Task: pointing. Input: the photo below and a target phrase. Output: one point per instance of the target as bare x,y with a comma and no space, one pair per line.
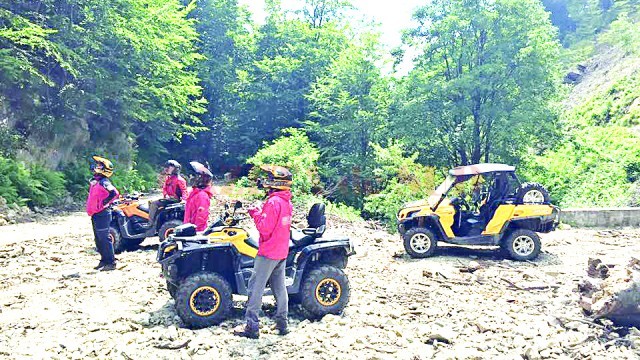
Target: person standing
101,194
273,221
174,190
196,210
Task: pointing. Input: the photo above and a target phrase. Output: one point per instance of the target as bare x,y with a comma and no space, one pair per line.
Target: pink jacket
100,189
274,224
196,210
175,186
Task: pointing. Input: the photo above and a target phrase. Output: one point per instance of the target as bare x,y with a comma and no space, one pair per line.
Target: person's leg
97,242
153,210
105,247
262,268
279,289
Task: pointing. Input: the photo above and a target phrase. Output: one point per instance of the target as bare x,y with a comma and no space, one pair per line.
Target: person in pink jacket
196,210
101,194
174,190
273,221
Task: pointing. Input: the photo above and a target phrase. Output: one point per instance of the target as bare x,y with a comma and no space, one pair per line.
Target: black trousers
154,206
100,222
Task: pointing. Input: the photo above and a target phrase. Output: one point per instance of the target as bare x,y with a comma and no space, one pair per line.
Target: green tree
349,112
290,54
482,85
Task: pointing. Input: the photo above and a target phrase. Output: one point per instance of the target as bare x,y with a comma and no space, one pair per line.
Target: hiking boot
108,267
281,327
245,331
101,264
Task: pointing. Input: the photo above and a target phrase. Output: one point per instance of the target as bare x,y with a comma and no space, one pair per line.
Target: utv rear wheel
532,193
203,300
168,228
420,242
522,245
325,290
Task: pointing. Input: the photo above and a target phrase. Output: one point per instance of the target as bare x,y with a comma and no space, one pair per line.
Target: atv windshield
436,196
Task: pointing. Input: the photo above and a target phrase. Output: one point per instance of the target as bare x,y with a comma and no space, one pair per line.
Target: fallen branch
584,321
529,288
172,345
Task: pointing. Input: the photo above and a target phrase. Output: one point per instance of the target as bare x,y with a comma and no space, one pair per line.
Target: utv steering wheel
460,203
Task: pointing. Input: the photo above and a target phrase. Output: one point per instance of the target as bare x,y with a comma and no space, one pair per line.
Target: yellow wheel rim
328,292
205,301
112,238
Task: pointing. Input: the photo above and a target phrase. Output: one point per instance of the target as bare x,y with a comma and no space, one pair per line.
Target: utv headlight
412,214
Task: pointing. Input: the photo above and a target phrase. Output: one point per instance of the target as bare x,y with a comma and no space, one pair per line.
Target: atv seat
317,223
174,206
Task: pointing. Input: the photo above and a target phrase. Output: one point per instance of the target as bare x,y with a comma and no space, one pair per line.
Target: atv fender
194,257
310,254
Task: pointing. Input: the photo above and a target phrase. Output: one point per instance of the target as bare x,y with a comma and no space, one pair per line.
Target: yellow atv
500,211
203,271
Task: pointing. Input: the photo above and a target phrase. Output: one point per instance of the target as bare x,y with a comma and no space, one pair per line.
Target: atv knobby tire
522,245
173,289
117,240
168,228
325,290
420,242
203,299
532,193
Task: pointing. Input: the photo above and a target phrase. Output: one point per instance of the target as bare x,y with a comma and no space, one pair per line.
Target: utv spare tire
532,193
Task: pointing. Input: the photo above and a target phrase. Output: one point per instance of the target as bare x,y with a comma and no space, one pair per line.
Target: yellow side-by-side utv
483,204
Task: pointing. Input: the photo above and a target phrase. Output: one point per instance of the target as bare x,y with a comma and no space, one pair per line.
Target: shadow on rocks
481,253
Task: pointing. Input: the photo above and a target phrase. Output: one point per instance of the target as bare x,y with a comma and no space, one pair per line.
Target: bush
78,176
294,151
140,179
594,167
51,187
404,180
34,186
342,211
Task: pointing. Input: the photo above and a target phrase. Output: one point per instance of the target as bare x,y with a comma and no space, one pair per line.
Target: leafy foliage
294,151
594,168
484,81
404,180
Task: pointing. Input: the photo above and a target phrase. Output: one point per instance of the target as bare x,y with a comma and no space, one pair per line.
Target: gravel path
53,305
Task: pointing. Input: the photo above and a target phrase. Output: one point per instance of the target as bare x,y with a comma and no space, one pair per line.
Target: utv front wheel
203,300
325,290
522,245
168,228
419,242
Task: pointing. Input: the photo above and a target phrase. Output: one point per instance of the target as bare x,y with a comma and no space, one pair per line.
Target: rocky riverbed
461,304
